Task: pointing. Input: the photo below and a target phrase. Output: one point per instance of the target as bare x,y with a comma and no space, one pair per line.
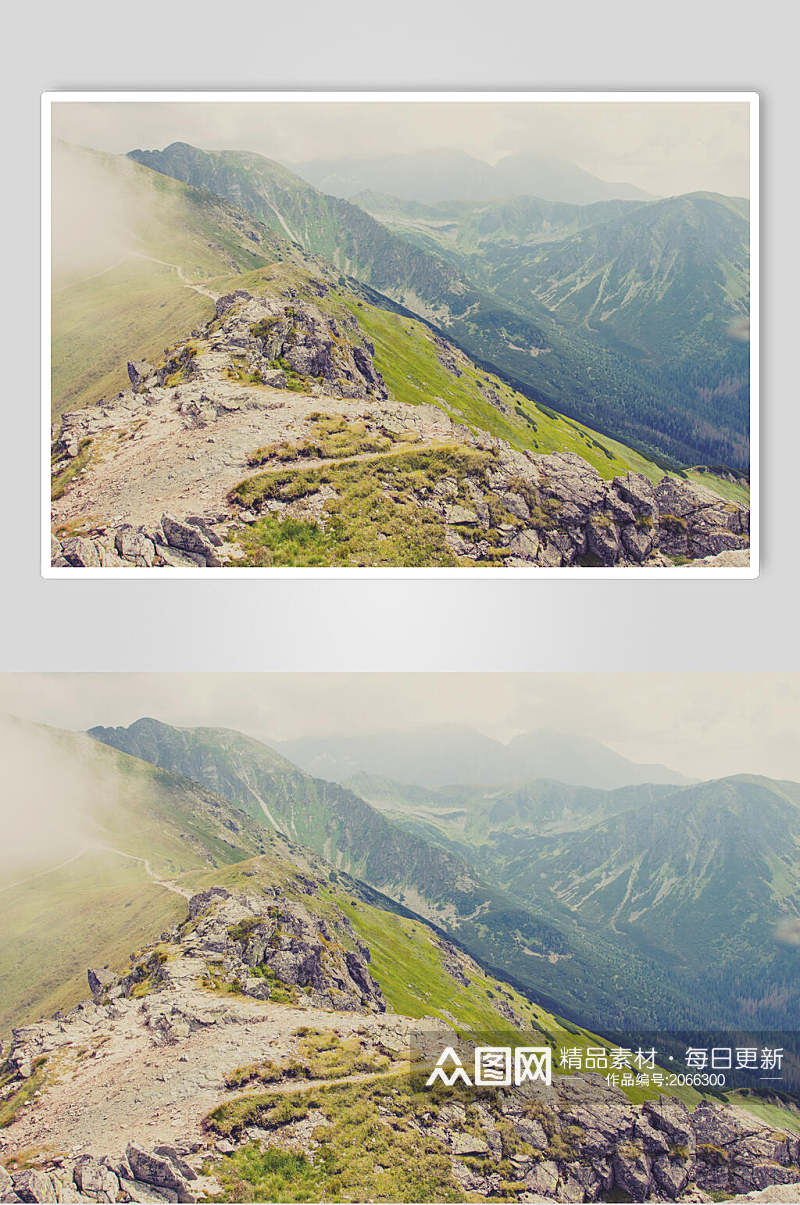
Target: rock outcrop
170,452
585,1141
258,943
266,947
150,1177
577,1141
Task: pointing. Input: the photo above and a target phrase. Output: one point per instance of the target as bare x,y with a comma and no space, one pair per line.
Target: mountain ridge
594,374
479,759
448,175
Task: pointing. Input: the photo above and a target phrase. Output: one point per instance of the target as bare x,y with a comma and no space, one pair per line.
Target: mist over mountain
450,175
441,756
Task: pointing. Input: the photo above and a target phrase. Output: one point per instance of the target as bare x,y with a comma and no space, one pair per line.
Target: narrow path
190,284
181,274
167,883
170,886
286,1087
41,874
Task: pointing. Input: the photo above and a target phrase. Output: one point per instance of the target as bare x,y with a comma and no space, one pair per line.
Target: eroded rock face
659,1151
261,942
296,337
144,1176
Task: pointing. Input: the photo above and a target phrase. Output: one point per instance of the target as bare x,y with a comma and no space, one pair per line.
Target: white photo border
711,96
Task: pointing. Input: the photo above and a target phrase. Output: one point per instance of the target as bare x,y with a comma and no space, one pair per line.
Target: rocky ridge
160,475
127,1093
152,1048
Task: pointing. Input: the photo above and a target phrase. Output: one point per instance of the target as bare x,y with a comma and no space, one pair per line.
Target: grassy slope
99,907
407,355
93,912
406,961
121,305
132,312
731,491
405,352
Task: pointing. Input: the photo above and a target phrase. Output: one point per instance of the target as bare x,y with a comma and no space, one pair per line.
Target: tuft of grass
11,1105
370,1147
322,1054
254,1174
379,515
333,438
63,478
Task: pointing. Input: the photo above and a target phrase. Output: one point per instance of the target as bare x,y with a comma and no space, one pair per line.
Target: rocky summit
270,437
254,1036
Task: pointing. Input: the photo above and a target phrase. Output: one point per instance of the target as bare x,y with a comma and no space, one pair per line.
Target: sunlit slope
127,244
418,370
100,891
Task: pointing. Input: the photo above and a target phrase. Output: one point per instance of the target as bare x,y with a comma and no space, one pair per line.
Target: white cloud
705,725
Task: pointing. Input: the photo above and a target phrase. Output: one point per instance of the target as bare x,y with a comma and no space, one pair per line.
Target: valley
622,322
580,894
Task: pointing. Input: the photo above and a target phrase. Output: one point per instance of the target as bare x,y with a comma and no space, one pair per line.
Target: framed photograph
381,334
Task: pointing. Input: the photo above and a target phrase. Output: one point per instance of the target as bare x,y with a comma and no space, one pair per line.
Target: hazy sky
704,725
665,148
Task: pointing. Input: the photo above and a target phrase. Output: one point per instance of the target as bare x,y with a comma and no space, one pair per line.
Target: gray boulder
671,1116
178,1161
138,372
637,491
134,545
671,1175
100,980
36,1186
6,1184
95,1179
543,1178
203,526
81,553
177,558
631,1171
158,1171
188,538
602,538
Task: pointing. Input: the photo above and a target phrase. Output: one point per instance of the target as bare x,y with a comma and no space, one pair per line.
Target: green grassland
407,962
782,1117
95,911
732,491
97,900
128,301
406,355
131,312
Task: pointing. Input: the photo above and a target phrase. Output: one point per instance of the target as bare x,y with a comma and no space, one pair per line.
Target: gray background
400,624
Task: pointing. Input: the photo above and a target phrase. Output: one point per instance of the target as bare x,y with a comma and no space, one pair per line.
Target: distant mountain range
446,175
617,312
436,757
581,895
